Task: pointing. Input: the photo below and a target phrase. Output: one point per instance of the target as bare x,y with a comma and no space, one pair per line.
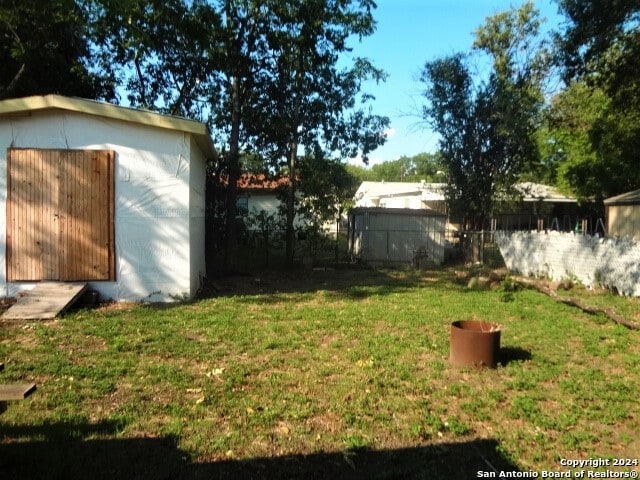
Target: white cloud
357,161
375,161
390,133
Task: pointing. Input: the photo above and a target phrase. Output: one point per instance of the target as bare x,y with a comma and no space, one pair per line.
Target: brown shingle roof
257,182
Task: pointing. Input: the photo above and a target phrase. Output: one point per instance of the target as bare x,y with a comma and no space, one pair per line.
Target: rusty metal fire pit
474,344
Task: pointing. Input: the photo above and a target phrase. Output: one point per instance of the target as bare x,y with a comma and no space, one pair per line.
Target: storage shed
623,214
397,236
95,192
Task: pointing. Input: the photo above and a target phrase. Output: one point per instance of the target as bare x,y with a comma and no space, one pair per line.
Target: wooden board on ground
18,391
45,301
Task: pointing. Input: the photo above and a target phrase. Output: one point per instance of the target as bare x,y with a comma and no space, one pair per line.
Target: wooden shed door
60,215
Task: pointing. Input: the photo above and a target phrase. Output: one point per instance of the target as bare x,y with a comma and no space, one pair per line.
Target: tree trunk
231,243
291,202
474,247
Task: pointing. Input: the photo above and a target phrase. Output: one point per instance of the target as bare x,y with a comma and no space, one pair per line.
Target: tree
262,73
423,166
305,99
584,138
43,50
198,59
462,118
159,52
599,50
399,170
327,185
429,167
487,125
601,42
360,172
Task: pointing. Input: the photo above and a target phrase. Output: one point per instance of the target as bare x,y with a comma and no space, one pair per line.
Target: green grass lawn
329,374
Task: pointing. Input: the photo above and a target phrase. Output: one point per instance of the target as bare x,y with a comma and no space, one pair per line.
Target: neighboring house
95,192
540,207
258,193
537,200
401,195
622,214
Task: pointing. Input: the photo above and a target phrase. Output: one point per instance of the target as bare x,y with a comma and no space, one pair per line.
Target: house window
242,204
60,215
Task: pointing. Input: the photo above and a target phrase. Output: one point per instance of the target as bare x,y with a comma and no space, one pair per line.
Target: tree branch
609,312
15,80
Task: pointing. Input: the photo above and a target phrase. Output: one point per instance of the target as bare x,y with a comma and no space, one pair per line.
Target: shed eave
628,198
418,212
550,200
27,105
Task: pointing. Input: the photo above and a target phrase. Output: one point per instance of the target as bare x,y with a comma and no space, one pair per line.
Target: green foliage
586,139
487,125
327,186
423,166
507,288
162,54
601,42
599,49
361,173
43,50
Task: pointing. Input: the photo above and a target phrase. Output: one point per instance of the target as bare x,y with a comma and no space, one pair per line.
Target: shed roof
26,105
530,191
627,198
414,212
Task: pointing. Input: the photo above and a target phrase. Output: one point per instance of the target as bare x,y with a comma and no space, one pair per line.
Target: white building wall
197,173
271,204
408,201
259,202
152,196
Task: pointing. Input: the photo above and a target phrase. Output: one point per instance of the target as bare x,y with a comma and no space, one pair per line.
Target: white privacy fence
610,262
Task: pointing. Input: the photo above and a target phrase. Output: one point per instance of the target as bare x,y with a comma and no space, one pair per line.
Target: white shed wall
401,239
152,199
623,220
197,182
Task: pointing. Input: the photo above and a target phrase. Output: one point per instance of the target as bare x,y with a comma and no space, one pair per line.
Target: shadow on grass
513,354
352,283
80,451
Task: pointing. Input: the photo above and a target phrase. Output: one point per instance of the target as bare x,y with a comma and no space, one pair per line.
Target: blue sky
408,34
